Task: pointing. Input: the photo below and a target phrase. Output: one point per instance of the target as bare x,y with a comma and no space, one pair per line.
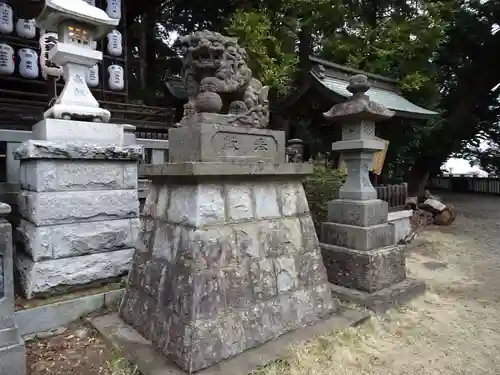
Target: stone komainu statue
218,80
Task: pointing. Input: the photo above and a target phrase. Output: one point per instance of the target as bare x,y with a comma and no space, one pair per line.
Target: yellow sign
379,158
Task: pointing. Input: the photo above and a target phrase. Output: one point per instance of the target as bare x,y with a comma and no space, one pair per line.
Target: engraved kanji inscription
260,145
230,143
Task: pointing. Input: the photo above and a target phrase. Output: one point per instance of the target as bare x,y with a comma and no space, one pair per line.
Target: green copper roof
388,98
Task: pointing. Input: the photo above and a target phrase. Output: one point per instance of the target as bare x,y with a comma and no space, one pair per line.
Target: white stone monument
78,204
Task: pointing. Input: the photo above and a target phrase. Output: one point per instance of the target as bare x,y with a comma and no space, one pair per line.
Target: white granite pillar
78,204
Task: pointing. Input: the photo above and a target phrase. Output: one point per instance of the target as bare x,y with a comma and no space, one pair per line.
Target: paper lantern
28,64
115,46
116,80
47,42
7,59
114,9
6,19
93,76
26,28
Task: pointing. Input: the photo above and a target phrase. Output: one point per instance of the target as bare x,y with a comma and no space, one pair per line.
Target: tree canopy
444,53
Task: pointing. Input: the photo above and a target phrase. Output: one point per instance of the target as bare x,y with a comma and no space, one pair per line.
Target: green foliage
321,187
267,58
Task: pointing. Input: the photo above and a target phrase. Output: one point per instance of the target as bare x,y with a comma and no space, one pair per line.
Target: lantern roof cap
56,11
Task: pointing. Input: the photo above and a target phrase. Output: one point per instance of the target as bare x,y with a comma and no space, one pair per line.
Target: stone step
12,359
9,336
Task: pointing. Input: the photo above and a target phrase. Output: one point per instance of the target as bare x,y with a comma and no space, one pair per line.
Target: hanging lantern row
27,58
27,61
26,28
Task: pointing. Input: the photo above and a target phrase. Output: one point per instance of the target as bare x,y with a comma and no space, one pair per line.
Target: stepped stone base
358,213
359,238
383,299
224,266
69,240
364,270
55,275
79,206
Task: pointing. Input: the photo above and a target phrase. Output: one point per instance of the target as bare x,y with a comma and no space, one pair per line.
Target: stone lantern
77,24
363,263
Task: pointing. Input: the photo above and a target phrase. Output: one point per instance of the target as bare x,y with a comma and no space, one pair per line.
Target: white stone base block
69,240
67,207
57,274
86,132
64,175
400,220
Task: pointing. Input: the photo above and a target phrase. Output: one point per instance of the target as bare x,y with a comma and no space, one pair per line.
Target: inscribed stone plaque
209,142
231,144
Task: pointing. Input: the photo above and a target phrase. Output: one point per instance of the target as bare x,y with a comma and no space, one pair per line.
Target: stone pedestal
78,205
362,259
12,359
228,257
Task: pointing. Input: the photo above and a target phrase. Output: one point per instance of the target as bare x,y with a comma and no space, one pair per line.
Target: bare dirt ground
453,329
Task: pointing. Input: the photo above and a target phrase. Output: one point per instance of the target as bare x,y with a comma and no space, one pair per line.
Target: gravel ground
453,329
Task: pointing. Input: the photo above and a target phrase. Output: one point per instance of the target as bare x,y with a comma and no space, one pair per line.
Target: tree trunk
476,84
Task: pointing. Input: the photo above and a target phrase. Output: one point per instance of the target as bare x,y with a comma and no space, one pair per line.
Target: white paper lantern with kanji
114,9
28,64
93,76
115,46
6,19
7,59
116,80
26,28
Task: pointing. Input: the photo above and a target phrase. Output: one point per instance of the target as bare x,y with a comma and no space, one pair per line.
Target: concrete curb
141,352
53,316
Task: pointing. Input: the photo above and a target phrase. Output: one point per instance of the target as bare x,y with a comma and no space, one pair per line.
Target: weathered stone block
286,274
239,202
68,240
62,175
210,142
293,199
358,213
77,206
359,238
280,237
55,275
266,201
364,270
34,149
310,268
263,279
86,132
196,205
209,248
